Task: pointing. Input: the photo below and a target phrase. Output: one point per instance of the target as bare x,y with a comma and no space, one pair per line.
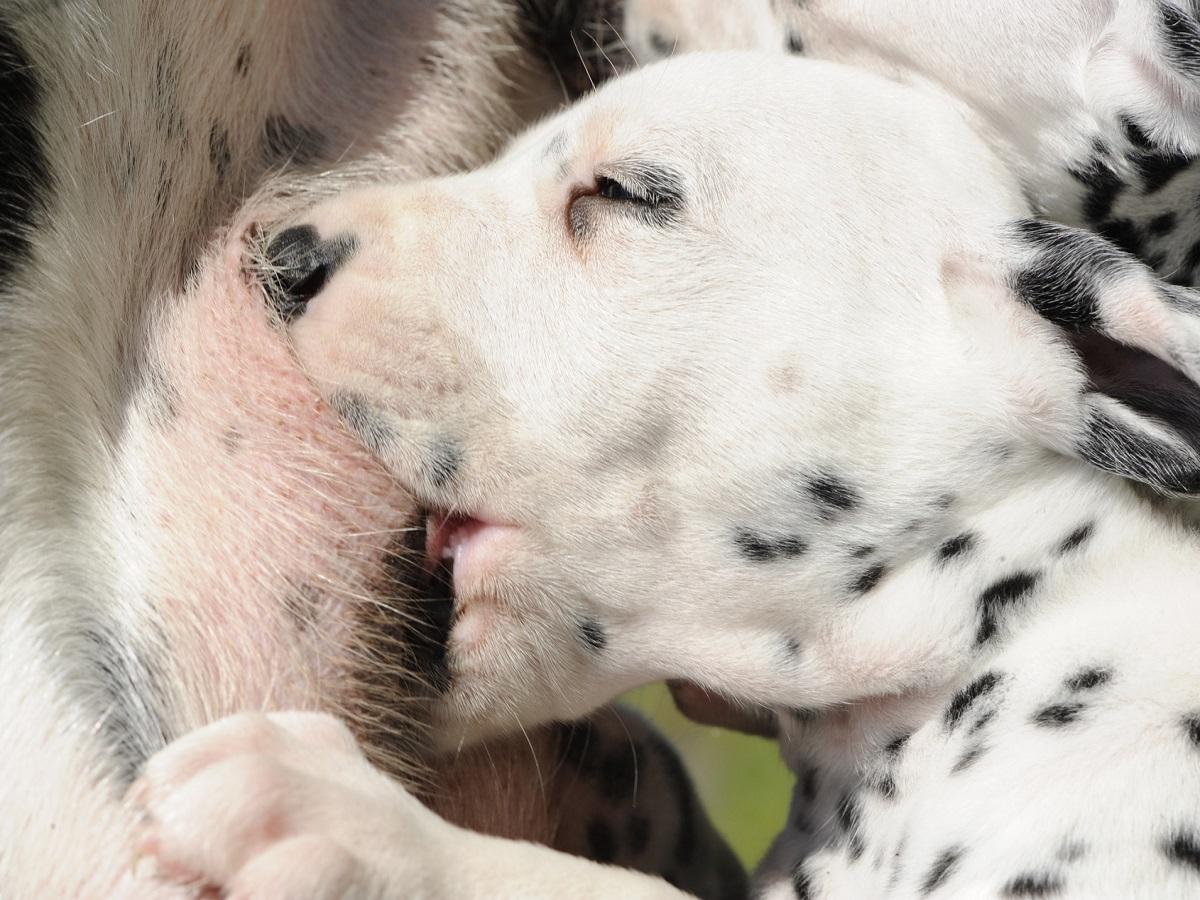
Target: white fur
823,344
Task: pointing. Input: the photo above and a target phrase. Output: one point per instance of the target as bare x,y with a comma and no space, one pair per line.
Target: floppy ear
1132,340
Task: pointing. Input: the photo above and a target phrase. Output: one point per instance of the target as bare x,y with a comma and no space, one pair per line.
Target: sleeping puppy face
664,368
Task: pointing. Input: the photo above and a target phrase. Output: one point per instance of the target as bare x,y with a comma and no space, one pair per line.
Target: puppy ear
1132,339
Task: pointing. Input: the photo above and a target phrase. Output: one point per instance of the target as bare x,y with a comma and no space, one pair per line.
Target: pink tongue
445,534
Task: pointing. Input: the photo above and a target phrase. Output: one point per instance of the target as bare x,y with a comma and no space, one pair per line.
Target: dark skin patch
833,495
601,841
27,178
1088,679
868,579
1075,539
1034,884
1057,715
955,547
943,867
593,635
998,597
1183,849
969,695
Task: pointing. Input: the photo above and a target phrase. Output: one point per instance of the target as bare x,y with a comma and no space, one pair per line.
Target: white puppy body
749,371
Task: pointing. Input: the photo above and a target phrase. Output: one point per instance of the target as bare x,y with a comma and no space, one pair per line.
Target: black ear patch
1139,412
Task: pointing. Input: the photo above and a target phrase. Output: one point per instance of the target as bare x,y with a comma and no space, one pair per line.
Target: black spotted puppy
754,371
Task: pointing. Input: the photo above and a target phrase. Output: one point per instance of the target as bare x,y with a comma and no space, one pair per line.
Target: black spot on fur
1071,850
941,869
1033,884
25,178
863,551
795,42
896,745
123,689
445,461
285,142
1111,445
1000,596
804,714
801,882
1135,134
1060,283
1183,848
756,546
1103,185
218,150
360,418
955,547
868,579
1125,233
969,695
969,757
848,813
242,63
981,722
833,495
592,634
1056,715
810,783
791,647
1182,37
601,841
1162,224
1075,539
1191,724
885,784
1088,679
1159,167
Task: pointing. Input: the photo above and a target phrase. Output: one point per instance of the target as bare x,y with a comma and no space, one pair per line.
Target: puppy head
662,369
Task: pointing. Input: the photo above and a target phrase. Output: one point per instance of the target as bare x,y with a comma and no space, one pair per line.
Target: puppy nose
300,263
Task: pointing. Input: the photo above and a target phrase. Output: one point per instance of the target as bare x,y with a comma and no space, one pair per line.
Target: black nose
299,264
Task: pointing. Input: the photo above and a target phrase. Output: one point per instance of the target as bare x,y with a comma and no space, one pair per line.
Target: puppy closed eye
651,194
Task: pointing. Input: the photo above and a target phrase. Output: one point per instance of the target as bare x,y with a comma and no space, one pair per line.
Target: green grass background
741,779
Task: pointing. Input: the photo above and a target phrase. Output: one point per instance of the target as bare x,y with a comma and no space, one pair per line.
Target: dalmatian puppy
1094,104
188,531
801,407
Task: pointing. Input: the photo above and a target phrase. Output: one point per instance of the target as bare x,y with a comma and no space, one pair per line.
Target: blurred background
741,779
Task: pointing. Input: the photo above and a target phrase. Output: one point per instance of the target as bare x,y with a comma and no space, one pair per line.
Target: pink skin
258,507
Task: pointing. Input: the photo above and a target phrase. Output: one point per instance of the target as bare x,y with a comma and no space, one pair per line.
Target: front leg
285,805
